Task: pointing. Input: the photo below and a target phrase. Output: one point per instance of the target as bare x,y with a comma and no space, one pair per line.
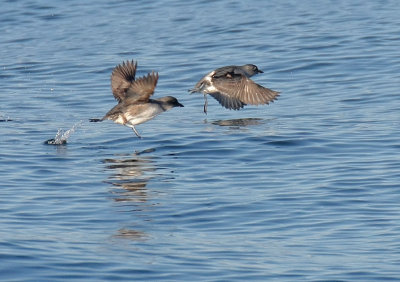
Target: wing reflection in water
131,234
238,122
129,178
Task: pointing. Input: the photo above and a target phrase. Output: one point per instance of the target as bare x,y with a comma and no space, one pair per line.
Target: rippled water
306,188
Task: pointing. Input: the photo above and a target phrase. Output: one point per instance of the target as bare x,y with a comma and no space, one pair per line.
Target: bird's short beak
180,105
260,71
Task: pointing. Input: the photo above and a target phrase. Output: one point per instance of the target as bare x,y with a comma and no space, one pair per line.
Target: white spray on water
62,136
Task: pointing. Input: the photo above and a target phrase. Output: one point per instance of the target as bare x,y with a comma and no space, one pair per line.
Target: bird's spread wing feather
122,77
141,89
228,102
239,87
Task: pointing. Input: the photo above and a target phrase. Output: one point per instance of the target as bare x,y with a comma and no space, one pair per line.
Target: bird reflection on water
241,122
129,178
131,234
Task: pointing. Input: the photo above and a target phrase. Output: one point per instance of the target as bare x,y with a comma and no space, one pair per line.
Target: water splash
62,136
4,118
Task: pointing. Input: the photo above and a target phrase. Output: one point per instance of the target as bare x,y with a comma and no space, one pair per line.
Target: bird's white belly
144,116
120,120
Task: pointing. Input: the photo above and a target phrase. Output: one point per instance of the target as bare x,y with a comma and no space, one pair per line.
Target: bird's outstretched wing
237,87
122,77
141,89
228,102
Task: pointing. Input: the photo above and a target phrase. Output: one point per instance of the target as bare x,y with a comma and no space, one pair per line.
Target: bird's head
251,69
170,101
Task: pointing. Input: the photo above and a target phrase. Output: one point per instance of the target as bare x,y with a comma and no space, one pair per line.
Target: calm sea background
304,189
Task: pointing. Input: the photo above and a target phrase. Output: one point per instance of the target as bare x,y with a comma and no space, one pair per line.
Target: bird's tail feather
198,87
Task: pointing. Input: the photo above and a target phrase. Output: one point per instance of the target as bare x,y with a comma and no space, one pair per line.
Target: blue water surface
304,189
